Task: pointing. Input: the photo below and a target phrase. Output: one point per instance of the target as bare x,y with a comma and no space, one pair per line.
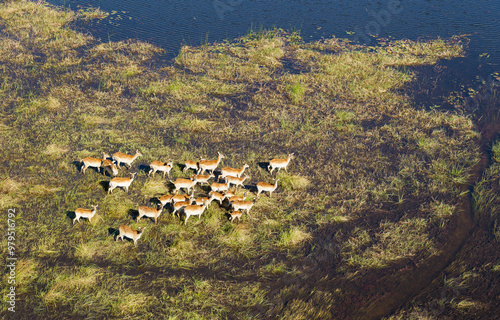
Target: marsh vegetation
373,190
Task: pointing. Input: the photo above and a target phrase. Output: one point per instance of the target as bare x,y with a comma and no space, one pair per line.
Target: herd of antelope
186,203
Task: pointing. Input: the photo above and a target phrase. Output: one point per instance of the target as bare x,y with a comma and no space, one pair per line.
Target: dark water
169,24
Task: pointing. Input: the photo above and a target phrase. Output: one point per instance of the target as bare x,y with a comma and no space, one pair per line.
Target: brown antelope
228,194
279,163
236,181
85,213
180,197
266,187
234,215
243,205
216,196
226,171
121,182
167,198
126,231
125,158
179,205
200,201
194,210
237,198
203,178
219,186
108,165
189,164
180,183
164,167
209,165
149,213
92,162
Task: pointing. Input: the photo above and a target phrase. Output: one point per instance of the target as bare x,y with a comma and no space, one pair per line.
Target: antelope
228,194
85,213
202,200
189,164
180,183
180,197
237,198
279,163
194,210
125,158
108,165
202,178
209,165
219,186
236,180
217,196
226,171
92,162
235,214
243,205
121,182
126,231
164,167
266,187
179,205
165,199
149,212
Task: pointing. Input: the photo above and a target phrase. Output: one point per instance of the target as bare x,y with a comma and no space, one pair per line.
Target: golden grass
10,186
293,182
56,151
293,237
155,188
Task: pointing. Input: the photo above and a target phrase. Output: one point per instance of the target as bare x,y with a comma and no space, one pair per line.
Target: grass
371,176
461,294
292,237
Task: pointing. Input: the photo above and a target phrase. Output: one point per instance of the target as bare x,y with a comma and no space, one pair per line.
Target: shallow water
169,24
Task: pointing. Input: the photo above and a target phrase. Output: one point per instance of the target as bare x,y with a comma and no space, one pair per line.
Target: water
169,24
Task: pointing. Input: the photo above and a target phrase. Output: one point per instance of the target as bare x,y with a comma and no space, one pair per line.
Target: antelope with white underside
167,198
194,210
266,187
182,197
179,205
234,197
125,158
227,171
202,178
121,182
181,183
279,163
108,165
243,205
219,187
149,213
236,181
92,162
235,215
85,213
126,231
159,166
189,164
214,195
209,165
202,200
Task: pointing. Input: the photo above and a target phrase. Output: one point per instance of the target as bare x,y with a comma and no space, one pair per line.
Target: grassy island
377,186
